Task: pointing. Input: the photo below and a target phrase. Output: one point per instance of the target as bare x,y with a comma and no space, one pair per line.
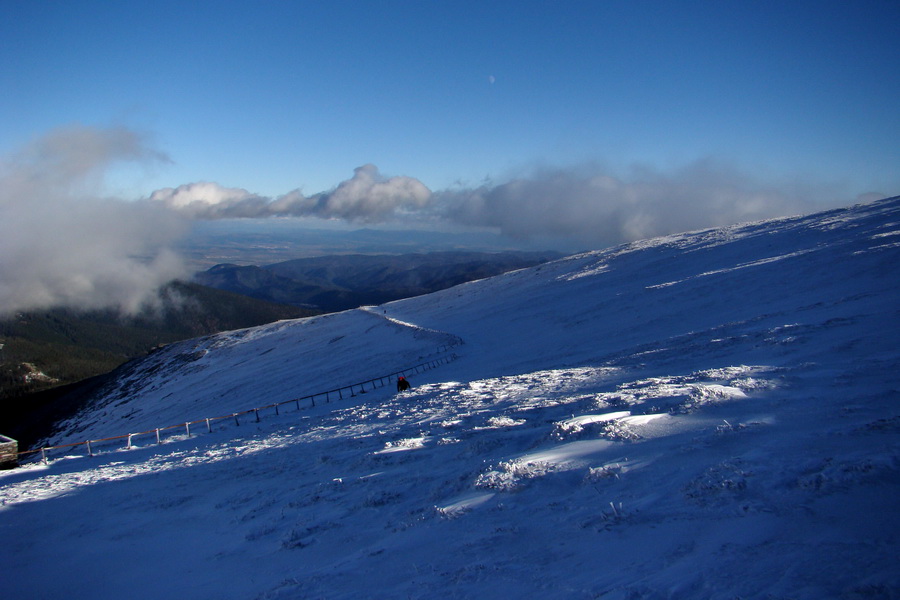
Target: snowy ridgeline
711,415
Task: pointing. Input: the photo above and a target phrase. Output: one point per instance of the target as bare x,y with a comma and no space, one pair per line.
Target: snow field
734,434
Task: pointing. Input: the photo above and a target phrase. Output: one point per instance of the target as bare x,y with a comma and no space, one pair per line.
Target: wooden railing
92,446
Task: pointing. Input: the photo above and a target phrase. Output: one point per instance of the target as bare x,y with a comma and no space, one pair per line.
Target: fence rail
337,394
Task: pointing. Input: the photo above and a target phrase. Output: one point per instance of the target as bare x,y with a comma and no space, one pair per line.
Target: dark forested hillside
40,350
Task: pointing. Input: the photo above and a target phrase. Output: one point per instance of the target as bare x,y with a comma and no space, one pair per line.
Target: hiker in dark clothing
402,384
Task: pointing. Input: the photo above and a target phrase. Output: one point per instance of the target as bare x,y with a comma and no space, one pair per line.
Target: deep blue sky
272,96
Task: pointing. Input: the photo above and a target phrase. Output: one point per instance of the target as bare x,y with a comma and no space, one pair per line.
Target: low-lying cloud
367,197
61,244
587,205
597,209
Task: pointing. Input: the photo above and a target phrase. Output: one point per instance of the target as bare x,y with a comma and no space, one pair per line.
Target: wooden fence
93,447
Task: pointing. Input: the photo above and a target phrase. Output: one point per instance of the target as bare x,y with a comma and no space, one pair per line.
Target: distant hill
41,350
334,283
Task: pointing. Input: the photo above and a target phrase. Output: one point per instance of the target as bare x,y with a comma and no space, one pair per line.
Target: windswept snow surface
709,415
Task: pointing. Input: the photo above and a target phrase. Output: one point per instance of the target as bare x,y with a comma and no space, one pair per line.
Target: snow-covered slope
708,415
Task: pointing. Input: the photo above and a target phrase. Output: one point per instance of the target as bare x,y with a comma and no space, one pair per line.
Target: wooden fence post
90,452
158,440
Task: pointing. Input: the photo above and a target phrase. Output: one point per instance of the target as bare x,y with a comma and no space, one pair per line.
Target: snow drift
706,415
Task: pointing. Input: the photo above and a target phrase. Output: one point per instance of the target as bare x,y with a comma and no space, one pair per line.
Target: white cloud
598,209
587,205
207,200
62,244
368,196
203,193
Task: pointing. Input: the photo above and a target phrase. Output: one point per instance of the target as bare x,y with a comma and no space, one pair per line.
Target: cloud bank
367,197
61,244
586,205
597,209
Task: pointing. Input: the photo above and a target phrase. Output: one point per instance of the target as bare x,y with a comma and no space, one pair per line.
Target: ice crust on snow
604,433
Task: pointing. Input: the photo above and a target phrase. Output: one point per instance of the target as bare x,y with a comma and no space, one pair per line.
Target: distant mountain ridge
341,282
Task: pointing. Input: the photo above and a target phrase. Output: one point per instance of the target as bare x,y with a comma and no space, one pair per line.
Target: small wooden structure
9,449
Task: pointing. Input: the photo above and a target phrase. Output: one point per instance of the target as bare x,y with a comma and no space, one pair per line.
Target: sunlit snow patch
501,422
683,393
642,419
508,475
464,503
404,445
577,424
